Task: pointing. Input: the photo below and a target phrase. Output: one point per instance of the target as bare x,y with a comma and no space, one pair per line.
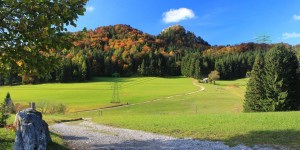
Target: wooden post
32,105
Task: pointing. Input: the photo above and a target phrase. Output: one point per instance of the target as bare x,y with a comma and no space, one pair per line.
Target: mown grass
214,99
213,114
98,93
90,95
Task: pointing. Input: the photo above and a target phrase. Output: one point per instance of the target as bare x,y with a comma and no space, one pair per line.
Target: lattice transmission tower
265,39
115,88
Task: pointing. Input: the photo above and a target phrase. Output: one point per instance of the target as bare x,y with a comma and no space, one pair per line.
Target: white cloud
296,17
90,8
290,35
177,15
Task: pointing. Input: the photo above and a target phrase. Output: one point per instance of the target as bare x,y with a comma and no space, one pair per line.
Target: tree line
128,51
274,84
229,65
109,49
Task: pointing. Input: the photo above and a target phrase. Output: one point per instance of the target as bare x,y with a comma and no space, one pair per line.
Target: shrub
3,115
51,108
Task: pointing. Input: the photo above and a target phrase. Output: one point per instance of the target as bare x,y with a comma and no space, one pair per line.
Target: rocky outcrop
32,131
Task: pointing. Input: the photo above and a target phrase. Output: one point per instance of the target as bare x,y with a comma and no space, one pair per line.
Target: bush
42,106
51,108
20,107
3,115
62,108
213,76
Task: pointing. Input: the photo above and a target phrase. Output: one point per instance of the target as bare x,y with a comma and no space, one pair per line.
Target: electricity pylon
115,88
265,39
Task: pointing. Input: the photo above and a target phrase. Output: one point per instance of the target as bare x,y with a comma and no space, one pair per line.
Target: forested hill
129,51
126,50
125,37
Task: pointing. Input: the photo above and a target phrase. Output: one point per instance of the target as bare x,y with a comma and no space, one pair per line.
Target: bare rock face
32,131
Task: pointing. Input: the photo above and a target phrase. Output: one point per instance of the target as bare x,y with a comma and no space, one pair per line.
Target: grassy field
98,93
212,114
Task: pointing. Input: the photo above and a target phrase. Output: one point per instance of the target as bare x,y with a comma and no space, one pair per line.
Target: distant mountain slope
125,37
178,36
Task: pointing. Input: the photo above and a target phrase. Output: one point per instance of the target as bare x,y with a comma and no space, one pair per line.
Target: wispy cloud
177,15
90,8
296,17
290,35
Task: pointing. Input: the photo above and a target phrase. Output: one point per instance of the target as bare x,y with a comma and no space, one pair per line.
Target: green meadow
212,114
98,92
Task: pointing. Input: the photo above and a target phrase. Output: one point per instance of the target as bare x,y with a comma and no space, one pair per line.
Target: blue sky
220,22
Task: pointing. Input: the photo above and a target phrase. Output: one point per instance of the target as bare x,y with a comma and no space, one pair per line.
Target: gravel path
86,135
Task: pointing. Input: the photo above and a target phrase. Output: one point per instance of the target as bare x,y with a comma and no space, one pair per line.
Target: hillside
118,48
129,51
125,37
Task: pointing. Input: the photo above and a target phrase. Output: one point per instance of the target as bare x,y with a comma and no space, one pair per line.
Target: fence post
32,105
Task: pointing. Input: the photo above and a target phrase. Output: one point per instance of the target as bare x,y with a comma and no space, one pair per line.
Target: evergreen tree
197,69
4,109
255,97
282,78
84,71
143,68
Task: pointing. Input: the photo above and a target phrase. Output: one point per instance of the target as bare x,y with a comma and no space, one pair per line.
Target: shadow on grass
6,145
110,79
278,139
76,138
173,77
57,143
56,146
69,120
166,144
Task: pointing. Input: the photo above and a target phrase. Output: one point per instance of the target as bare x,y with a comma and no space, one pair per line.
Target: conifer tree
255,97
197,69
281,78
143,68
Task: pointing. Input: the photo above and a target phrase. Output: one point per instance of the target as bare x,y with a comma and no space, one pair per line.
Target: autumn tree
31,29
214,75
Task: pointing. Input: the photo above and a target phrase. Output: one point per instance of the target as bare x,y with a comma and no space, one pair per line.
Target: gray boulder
32,131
